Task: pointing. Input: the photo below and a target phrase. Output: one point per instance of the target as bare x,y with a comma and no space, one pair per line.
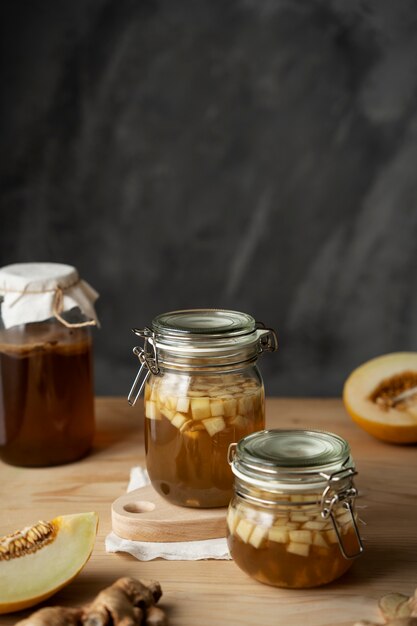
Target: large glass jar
46,377
291,522
204,391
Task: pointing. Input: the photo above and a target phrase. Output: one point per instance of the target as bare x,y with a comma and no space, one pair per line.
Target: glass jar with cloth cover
46,376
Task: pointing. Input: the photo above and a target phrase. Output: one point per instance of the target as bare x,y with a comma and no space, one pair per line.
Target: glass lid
281,458
293,448
205,338
210,322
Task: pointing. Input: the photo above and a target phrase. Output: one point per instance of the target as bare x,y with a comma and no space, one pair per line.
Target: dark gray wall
251,154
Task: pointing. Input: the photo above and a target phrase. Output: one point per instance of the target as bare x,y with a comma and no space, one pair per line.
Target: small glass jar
291,522
46,373
203,391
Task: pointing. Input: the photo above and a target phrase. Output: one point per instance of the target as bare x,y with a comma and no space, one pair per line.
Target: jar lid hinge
148,359
333,495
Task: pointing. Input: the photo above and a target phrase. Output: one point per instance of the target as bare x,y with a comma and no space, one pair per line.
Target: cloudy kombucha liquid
46,394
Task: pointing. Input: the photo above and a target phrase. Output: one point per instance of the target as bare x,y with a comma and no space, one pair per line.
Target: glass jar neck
197,353
324,490
258,495
215,370
237,359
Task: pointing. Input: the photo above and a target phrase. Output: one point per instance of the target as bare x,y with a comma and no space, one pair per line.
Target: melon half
371,397
41,559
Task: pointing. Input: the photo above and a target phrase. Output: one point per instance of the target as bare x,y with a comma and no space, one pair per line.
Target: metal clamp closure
334,493
231,451
268,341
148,359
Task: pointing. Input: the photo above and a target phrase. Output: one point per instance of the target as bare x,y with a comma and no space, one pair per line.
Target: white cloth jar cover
34,292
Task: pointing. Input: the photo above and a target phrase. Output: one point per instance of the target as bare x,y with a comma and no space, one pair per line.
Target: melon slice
369,395
39,560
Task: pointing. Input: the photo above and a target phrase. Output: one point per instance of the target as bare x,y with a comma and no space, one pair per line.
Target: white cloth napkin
171,551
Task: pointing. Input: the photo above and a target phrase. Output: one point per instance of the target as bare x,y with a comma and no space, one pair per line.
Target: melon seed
26,541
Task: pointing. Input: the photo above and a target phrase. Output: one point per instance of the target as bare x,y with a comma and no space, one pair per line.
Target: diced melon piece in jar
332,536
258,535
301,536
230,379
162,397
344,519
216,408
212,379
315,525
292,525
171,403
233,520
302,549
298,517
215,392
200,408
234,389
183,404
178,420
278,534
319,540
244,529
151,410
281,521
310,497
167,413
230,407
214,425
245,406
147,393
239,422
154,394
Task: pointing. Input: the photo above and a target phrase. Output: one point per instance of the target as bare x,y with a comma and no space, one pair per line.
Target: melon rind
391,425
29,579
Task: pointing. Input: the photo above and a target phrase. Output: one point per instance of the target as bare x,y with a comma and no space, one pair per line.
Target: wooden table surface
217,592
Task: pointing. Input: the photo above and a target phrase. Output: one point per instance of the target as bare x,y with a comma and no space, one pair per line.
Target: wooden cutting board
143,515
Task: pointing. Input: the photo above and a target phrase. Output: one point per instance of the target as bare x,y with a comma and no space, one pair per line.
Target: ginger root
53,615
128,602
397,610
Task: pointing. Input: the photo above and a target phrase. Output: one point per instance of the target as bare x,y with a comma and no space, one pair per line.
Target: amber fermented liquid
273,565
190,421
290,546
191,468
46,395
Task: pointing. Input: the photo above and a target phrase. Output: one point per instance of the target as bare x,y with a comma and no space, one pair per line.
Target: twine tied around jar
34,292
58,307
58,303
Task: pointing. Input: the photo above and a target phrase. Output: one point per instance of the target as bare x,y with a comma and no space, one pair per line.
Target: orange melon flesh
394,424
34,576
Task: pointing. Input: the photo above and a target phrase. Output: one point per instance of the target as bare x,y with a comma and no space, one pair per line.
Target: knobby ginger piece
398,621
395,605
397,610
53,616
155,617
128,602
